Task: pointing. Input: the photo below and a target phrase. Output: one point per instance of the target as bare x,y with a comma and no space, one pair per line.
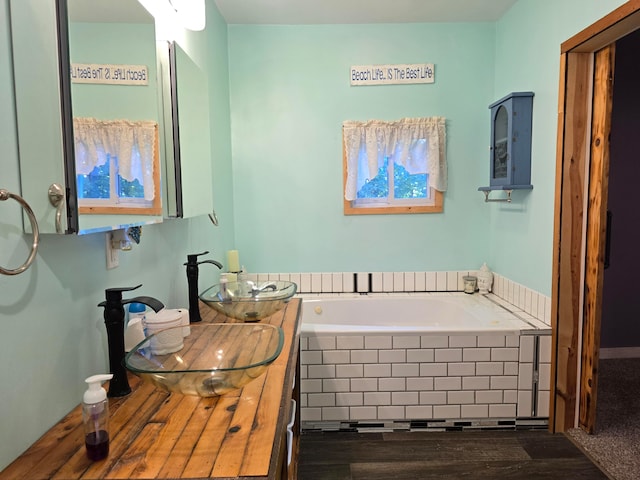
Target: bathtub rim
530,325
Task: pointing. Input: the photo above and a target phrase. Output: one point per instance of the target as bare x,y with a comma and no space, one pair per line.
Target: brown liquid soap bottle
95,417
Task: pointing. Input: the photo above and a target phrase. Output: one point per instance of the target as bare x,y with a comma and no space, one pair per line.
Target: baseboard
435,425
620,352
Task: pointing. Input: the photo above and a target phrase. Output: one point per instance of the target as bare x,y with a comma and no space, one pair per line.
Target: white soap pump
95,417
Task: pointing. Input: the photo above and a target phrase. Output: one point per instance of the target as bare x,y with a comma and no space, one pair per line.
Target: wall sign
392,74
109,74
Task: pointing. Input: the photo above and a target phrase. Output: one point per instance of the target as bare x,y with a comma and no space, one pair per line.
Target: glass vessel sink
213,359
249,301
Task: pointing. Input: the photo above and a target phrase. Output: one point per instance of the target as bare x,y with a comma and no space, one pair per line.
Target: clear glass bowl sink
249,301
213,359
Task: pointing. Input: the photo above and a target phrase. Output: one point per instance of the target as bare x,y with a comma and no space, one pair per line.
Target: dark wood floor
531,454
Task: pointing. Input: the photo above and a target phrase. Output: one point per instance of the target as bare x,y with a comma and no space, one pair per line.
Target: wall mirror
57,45
187,134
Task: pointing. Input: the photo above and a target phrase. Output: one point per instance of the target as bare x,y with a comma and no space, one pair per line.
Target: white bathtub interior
426,312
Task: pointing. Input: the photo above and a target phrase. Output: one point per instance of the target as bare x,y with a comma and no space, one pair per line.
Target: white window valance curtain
133,143
402,139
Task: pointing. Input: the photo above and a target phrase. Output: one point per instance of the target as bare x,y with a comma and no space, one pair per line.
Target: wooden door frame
582,167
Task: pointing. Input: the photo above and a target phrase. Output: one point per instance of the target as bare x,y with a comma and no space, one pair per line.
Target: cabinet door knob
56,198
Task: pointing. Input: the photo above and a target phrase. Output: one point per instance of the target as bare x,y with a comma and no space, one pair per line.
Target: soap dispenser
192,283
95,418
114,321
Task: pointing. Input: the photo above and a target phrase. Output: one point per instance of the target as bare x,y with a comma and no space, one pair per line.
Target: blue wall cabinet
510,150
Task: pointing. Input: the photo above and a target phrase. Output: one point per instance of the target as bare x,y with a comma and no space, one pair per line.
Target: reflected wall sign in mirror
100,140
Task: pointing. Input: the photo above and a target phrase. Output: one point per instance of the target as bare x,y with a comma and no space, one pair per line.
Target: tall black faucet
192,282
114,320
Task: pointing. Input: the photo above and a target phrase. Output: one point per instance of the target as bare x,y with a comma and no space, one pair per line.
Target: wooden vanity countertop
155,434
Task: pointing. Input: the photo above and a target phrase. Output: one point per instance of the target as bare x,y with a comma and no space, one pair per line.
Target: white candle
233,261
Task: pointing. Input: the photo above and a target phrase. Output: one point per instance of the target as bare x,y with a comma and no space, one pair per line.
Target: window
394,167
117,166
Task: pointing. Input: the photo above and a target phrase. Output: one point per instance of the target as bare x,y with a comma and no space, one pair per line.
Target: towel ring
4,195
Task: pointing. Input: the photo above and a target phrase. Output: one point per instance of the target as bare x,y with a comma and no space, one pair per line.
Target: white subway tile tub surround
407,376
515,296
403,390
520,298
367,282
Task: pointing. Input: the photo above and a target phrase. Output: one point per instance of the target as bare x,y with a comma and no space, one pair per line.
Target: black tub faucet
192,282
114,321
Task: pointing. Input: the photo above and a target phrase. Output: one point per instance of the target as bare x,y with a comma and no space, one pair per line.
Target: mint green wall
290,94
528,39
53,334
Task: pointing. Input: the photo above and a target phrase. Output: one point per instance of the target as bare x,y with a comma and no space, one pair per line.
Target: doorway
614,442
580,221
620,328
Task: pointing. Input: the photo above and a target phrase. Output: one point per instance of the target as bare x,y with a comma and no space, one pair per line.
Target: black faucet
114,320
192,282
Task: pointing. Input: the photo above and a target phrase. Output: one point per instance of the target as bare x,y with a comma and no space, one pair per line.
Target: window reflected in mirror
117,166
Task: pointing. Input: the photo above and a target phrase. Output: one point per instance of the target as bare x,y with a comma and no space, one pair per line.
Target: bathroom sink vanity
248,433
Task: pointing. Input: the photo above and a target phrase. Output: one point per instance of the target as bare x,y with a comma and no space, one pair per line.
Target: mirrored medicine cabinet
186,100
48,37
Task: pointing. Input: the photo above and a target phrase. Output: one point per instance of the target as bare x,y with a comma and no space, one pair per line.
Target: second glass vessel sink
249,301
211,360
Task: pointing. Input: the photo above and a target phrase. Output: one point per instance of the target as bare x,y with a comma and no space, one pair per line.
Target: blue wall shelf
510,151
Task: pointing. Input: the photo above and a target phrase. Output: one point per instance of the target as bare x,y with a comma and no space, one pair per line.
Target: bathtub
429,359
401,313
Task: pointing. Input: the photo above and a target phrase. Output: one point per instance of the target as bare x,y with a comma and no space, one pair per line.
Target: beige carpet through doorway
615,446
